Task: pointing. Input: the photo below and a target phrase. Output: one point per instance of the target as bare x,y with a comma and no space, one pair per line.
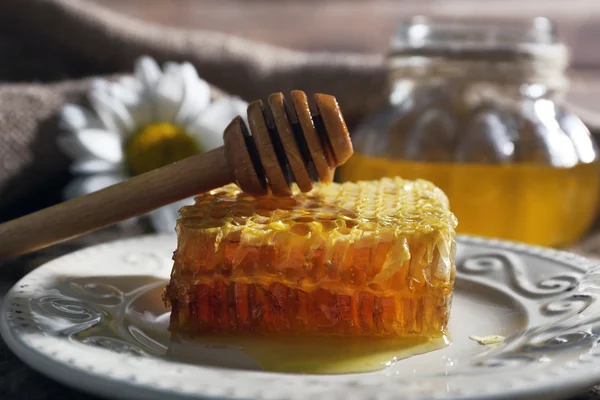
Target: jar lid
469,38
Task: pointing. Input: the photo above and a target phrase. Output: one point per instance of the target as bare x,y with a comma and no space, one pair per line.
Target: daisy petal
70,146
223,110
88,184
138,104
169,93
206,137
74,117
111,111
208,128
196,95
141,108
119,93
99,84
93,166
147,71
130,83
100,144
142,111
123,93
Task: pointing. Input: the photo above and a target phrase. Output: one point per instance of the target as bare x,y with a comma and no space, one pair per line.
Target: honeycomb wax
372,258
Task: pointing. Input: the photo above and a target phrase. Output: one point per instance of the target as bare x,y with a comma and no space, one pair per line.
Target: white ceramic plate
94,320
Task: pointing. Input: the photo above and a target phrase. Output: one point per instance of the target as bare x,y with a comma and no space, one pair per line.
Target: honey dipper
284,143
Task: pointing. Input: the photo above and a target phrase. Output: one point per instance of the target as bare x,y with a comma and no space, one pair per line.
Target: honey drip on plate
129,316
317,355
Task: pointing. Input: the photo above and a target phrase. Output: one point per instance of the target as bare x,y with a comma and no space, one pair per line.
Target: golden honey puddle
322,355
136,321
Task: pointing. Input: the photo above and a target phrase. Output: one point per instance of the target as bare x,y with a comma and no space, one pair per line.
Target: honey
366,259
537,204
309,355
135,302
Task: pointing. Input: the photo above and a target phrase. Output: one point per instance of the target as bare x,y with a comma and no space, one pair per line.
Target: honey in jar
476,108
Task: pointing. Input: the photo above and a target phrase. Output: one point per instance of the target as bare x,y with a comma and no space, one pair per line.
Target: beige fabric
248,69
29,156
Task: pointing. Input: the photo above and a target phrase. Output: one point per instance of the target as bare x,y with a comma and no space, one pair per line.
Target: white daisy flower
140,123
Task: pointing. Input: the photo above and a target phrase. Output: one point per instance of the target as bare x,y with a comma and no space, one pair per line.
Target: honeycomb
372,258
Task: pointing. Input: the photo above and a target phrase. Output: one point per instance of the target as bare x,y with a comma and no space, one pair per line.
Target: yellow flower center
157,145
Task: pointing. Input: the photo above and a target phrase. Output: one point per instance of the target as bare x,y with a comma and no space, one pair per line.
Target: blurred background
359,25
365,26
335,29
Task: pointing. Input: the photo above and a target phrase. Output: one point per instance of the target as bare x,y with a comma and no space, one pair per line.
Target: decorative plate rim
584,372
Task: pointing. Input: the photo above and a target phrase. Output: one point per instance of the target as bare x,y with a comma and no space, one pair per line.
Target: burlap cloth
50,39
59,44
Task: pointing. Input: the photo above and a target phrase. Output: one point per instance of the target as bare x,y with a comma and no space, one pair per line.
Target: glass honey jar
477,108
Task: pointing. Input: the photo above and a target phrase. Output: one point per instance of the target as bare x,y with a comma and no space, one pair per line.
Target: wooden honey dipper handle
285,143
